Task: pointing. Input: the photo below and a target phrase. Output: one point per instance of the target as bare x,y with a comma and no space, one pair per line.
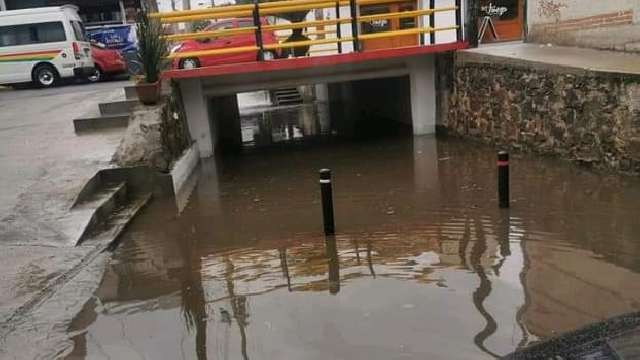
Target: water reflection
416,271
483,291
284,124
334,264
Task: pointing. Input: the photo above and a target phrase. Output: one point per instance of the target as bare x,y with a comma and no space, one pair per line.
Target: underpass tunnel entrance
294,116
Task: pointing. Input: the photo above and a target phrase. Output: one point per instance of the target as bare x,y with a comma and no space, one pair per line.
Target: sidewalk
576,58
44,165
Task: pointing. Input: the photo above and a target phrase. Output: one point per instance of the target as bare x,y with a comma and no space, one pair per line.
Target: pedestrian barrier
258,10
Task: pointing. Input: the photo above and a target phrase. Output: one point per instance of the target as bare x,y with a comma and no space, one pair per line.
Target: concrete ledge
184,167
100,122
555,59
183,176
117,107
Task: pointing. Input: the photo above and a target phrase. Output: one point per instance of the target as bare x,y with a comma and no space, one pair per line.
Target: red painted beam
307,62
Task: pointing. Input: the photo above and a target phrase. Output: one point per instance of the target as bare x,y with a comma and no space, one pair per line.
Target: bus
43,45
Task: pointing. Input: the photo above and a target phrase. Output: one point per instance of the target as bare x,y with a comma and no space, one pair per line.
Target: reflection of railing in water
483,291
257,10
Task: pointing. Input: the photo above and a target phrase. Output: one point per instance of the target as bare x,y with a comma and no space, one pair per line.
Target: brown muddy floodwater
424,264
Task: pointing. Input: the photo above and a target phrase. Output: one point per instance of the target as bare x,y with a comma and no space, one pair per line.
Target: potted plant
152,50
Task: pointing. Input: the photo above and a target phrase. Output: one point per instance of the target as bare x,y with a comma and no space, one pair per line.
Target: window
78,31
408,22
26,34
501,9
375,26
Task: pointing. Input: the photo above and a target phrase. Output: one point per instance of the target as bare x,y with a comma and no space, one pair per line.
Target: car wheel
269,55
96,76
45,76
189,63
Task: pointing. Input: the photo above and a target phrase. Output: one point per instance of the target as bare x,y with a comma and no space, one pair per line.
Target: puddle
424,264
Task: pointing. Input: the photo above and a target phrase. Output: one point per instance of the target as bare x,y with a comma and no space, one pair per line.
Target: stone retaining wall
590,117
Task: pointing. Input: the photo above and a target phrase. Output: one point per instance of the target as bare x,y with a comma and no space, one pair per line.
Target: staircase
287,96
103,209
112,114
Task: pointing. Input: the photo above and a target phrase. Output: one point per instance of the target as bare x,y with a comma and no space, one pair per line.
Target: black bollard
327,201
503,179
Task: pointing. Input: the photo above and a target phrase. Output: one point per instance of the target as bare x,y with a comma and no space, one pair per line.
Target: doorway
501,20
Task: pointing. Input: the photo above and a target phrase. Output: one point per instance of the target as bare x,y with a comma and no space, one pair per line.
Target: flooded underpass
424,264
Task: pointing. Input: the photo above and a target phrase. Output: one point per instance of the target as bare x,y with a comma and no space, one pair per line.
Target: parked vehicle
226,41
122,38
108,62
43,45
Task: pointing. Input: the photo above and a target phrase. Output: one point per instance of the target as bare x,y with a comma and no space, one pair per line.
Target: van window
25,34
78,30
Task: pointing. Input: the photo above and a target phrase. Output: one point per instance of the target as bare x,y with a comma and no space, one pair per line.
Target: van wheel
45,76
96,76
189,63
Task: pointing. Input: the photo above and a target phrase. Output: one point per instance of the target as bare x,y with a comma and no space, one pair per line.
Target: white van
43,45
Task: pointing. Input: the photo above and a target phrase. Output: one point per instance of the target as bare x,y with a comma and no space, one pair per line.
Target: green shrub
152,47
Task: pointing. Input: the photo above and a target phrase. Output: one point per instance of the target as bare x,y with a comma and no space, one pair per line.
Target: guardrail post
338,30
258,24
354,25
432,22
459,20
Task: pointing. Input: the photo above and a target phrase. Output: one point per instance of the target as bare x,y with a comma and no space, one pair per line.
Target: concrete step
117,107
287,91
99,205
289,96
101,122
130,93
289,102
297,100
106,233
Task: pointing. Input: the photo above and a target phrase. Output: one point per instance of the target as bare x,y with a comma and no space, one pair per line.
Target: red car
229,41
108,62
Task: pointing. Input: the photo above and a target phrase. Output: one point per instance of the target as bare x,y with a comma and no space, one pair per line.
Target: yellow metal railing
257,11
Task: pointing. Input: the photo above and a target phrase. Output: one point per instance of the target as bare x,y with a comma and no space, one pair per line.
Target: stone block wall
589,117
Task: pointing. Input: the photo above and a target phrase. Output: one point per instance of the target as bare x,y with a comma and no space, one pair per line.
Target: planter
148,93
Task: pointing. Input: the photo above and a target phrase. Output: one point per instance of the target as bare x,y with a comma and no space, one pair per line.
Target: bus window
26,34
78,30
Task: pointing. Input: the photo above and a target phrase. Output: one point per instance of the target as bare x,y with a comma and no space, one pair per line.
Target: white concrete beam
224,88
197,111
423,95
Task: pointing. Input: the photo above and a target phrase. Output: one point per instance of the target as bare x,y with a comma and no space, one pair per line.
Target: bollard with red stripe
503,179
